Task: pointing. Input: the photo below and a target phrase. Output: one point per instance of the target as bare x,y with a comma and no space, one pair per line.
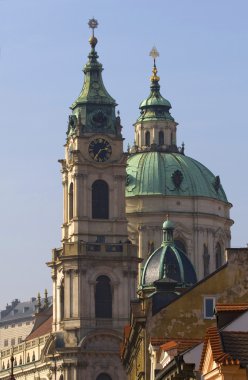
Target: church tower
94,273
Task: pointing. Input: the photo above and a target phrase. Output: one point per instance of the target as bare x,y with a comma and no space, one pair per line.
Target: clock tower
94,272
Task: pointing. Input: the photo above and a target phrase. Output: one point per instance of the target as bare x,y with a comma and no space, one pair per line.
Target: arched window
218,256
71,201
181,245
103,298
147,138
103,376
100,200
206,259
161,138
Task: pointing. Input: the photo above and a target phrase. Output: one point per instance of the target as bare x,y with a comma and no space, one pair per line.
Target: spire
94,104
155,107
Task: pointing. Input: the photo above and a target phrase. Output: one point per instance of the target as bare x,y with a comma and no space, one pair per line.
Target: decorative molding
80,175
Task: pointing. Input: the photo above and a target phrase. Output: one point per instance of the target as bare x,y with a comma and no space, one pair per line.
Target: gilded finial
93,24
154,54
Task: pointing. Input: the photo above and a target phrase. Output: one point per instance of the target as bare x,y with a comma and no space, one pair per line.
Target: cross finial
154,54
93,24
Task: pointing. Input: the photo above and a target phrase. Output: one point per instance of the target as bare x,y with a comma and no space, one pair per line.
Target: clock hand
96,156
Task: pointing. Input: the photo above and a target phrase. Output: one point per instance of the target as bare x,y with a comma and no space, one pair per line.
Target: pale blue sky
203,66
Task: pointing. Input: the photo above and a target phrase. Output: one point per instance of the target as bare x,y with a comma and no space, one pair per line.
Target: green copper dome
168,263
170,174
155,107
155,100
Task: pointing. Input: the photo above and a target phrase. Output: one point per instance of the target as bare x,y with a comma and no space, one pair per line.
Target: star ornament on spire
93,24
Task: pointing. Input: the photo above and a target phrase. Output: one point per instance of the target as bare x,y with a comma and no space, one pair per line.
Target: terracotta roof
157,341
212,336
228,347
127,330
180,344
43,329
231,307
169,345
235,343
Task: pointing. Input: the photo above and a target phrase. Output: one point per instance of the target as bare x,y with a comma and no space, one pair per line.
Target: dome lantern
155,129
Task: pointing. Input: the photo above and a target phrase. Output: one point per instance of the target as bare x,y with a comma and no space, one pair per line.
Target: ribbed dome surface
171,174
171,263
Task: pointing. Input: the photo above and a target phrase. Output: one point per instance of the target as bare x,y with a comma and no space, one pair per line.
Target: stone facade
184,317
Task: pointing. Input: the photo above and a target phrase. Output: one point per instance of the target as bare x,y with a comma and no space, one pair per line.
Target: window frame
205,299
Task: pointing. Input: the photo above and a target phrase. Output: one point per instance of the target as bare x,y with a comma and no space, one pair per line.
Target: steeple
155,107
155,129
94,109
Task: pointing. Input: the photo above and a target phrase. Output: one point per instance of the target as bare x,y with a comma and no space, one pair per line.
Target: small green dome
153,100
155,106
170,174
168,225
168,263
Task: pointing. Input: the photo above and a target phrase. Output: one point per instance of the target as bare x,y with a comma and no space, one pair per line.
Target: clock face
100,150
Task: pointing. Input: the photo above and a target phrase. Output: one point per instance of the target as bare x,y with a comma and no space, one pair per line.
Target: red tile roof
127,330
180,344
231,307
168,346
157,341
228,347
43,329
212,336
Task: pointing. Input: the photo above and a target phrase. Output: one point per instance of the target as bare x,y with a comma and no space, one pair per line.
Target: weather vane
154,54
93,24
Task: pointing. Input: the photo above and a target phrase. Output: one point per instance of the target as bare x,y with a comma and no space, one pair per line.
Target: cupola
168,263
155,129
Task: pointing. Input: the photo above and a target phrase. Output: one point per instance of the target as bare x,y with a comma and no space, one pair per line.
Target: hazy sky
203,66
